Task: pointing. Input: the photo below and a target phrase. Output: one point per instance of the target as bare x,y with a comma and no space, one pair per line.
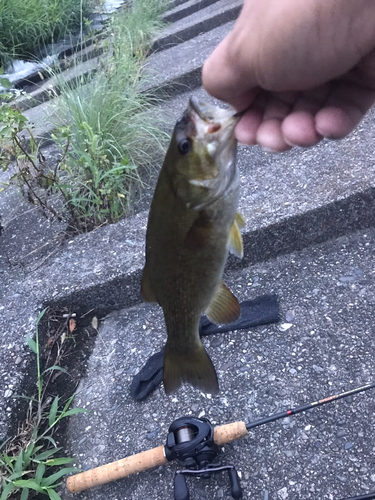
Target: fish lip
194,105
210,113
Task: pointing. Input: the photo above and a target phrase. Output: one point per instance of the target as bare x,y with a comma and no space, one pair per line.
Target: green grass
27,462
28,25
112,138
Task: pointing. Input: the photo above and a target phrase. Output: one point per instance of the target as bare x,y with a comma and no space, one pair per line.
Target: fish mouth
212,115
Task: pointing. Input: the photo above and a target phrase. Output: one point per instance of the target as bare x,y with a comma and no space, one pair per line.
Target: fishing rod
195,444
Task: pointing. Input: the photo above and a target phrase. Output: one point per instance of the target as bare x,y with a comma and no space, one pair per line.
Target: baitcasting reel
191,441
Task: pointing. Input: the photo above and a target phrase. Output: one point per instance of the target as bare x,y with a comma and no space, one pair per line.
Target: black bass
192,224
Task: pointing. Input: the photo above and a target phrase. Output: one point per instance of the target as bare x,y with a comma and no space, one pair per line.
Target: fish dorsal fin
224,307
235,245
146,290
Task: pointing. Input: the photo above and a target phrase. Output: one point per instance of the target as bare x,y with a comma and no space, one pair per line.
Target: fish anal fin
194,367
224,307
235,240
146,289
240,220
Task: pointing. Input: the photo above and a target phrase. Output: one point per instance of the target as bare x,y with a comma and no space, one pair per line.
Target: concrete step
204,20
50,88
169,72
177,69
183,10
89,58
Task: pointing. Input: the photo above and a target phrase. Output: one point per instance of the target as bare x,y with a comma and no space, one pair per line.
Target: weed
28,162
28,25
105,132
27,461
112,138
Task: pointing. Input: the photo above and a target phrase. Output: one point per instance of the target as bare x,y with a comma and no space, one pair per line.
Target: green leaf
51,440
53,495
53,412
74,411
32,344
19,463
39,473
67,404
28,483
8,460
16,475
7,490
29,450
59,461
1,70
25,494
45,455
47,481
55,367
5,83
40,316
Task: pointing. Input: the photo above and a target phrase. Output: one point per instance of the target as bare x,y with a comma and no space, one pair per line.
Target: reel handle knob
180,489
235,483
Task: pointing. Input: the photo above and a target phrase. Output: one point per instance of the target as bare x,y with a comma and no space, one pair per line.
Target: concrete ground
309,238
324,344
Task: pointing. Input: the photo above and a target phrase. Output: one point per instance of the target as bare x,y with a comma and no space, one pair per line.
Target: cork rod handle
116,470
143,461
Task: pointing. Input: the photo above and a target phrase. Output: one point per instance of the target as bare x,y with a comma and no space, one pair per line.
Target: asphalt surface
323,345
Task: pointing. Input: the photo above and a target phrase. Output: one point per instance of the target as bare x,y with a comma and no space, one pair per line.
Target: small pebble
348,445
290,316
283,493
151,435
217,341
347,279
343,479
317,368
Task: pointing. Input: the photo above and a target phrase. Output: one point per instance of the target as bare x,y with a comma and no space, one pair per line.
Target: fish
193,223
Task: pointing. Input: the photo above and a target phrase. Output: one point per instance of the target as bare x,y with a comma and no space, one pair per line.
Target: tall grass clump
26,26
112,138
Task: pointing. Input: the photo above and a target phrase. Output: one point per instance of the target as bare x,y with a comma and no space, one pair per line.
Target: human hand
304,70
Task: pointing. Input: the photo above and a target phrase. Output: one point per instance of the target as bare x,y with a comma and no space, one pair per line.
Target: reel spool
191,441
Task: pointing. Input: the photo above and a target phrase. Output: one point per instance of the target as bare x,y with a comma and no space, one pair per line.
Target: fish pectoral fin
194,367
224,307
146,290
235,245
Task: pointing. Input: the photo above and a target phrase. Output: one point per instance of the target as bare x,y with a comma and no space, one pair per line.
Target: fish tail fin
195,368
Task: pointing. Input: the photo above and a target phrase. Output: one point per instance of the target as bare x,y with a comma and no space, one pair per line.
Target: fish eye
184,146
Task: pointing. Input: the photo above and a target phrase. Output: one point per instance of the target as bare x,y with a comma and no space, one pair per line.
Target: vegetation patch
26,26
105,132
31,461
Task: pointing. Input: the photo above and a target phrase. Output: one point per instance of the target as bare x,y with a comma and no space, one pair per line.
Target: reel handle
142,461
